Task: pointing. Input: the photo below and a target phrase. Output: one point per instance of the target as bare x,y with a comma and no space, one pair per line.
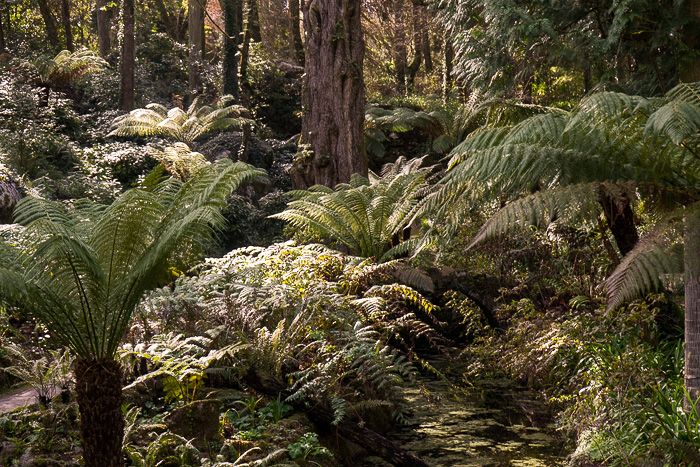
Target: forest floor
9,401
487,423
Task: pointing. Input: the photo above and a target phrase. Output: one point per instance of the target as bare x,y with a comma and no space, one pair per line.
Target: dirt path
17,398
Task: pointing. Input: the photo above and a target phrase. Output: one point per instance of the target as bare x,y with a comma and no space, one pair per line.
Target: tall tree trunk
399,46
232,28
414,66
246,90
103,27
619,217
690,69
99,393
295,44
3,47
447,73
65,18
334,94
254,21
196,35
128,56
691,249
49,22
425,38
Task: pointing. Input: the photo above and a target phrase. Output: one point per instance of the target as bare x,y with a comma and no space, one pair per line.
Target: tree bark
425,38
295,44
414,66
399,46
246,90
447,74
99,394
232,28
196,38
128,56
691,249
65,18
254,21
619,217
103,27
690,69
49,22
333,98
3,47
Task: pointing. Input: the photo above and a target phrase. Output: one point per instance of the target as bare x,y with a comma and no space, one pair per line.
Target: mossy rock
198,420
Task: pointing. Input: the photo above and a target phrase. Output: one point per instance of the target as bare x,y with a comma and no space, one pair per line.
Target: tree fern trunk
691,250
620,219
99,394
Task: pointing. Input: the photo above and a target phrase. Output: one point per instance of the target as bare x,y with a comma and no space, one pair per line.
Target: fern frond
654,260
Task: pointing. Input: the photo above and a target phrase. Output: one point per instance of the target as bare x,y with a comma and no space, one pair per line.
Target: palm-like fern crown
179,160
611,143
82,270
179,125
67,66
365,214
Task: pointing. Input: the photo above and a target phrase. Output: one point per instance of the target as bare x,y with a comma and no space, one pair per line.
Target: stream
489,423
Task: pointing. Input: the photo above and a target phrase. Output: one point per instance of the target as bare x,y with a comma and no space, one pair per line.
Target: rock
142,435
198,420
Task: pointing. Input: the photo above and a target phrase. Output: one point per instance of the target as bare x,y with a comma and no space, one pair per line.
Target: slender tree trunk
620,219
232,28
128,56
414,66
254,21
425,38
65,18
99,394
399,46
691,248
334,94
3,47
447,74
246,91
49,22
196,34
690,69
295,44
103,27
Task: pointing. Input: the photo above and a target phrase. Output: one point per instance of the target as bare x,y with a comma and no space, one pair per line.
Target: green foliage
82,270
307,446
48,375
68,66
534,50
179,125
310,316
368,216
182,361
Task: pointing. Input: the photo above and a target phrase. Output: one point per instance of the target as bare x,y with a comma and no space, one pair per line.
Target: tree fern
67,66
81,273
179,125
368,214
